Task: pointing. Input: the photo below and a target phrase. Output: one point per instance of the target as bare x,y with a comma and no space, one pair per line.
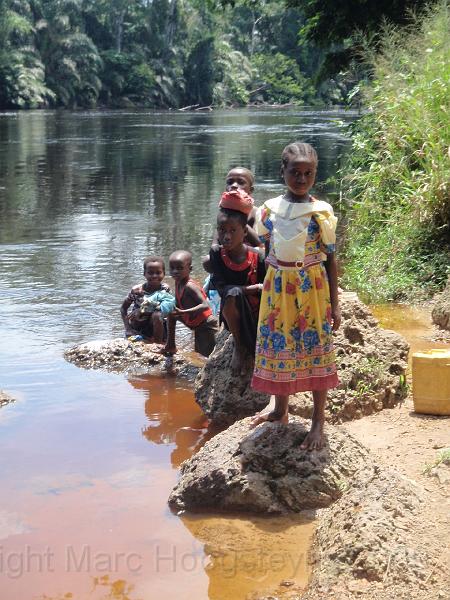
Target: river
88,458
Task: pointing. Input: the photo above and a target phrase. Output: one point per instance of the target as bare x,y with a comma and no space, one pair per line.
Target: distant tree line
176,53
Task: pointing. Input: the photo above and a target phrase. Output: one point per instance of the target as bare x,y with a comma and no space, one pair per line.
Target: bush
396,181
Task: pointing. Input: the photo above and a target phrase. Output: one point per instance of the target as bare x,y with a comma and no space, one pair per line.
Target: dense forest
175,53
392,57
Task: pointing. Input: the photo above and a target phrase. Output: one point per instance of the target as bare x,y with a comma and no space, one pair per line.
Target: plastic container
431,382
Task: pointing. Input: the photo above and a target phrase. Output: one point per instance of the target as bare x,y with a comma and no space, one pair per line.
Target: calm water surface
88,459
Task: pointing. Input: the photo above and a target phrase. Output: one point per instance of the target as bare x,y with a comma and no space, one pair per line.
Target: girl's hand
336,317
177,311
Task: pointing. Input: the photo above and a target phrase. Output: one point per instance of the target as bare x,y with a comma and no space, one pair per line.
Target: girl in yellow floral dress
299,305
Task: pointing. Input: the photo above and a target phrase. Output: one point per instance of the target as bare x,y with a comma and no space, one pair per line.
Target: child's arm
331,268
256,288
124,314
261,272
217,276
252,238
192,295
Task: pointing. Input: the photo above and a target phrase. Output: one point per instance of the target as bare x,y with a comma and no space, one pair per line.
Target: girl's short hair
299,150
155,259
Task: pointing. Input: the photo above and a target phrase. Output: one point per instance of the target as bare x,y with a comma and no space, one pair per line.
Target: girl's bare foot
269,416
314,439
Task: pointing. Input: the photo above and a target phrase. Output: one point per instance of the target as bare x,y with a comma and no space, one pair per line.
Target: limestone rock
121,355
365,541
223,397
371,365
263,470
441,310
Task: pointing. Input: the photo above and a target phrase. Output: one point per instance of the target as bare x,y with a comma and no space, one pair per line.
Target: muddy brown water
413,323
87,458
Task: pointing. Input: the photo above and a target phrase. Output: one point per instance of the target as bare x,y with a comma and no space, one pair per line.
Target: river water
88,459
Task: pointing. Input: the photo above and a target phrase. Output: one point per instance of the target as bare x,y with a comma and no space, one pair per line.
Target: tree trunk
119,31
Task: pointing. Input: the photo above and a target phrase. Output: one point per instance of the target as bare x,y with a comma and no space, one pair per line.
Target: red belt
283,263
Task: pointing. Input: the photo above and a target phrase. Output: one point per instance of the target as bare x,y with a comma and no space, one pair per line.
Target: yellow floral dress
294,348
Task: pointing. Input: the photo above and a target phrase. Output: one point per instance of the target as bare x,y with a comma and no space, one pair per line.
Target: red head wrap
237,200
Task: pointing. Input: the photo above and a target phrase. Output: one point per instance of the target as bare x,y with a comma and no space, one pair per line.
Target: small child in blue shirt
150,302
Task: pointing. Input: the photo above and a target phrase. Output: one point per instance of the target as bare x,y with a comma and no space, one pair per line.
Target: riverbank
416,447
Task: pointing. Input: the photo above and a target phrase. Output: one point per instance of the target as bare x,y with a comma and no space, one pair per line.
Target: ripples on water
90,457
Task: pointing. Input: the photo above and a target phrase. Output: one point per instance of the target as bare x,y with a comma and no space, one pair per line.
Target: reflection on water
89,458
174,418
253,553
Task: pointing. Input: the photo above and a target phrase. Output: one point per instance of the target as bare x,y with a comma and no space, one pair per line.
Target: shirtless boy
192,307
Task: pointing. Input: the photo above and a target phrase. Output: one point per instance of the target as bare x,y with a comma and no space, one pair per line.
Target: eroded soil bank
392,539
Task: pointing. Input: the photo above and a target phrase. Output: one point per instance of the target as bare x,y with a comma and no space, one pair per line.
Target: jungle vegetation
396,183
174,53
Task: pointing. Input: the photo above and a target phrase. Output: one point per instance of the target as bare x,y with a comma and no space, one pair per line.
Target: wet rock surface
263,470
121,355
5,398
441,310
225,398
371,365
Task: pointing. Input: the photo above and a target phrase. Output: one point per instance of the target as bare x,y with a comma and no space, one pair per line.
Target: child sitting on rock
192,307
151,301
237,274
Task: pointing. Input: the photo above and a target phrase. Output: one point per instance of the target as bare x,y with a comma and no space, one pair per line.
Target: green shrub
396,180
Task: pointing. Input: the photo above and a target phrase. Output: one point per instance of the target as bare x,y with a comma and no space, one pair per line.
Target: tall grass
396,182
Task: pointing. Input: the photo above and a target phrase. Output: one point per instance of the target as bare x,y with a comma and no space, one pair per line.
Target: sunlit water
413,323
88,459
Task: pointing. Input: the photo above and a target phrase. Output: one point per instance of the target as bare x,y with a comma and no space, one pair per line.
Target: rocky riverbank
123,356
381,531
371,363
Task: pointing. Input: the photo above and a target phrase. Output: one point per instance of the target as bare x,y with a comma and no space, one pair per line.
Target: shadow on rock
223,397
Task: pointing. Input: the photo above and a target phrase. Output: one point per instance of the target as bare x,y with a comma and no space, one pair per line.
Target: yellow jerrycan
431,382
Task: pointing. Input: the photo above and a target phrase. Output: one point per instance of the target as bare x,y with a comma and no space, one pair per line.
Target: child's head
299,167
154,271
180,265
240,178
231,228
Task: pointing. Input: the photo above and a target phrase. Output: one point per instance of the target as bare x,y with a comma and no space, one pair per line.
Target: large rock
368,544
225,398
441,310
138,357
371,365
263,470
